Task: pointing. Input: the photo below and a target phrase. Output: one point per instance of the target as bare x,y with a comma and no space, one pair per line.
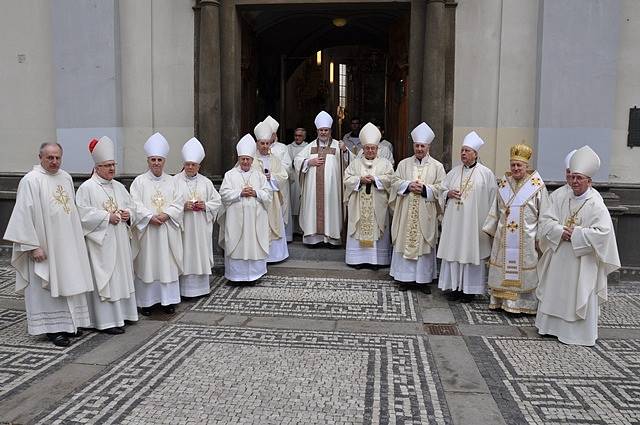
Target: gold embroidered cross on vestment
512,226
62,198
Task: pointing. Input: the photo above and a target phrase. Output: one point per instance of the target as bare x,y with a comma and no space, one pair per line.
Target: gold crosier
413,226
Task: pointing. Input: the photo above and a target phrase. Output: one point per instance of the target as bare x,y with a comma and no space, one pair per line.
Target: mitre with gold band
521,152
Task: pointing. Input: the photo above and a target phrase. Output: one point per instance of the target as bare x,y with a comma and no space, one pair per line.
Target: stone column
209,117
433,75
230,72
416,61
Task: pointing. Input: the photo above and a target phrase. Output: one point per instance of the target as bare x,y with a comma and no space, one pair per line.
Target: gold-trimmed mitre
521,152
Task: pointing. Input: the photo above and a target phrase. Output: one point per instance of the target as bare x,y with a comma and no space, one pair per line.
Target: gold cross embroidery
62,198
512,226
502,183
158,201
110,205
536,181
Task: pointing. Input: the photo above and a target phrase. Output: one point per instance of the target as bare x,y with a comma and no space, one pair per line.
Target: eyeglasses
107,165
578,177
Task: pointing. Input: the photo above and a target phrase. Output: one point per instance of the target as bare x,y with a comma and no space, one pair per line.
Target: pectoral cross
158,201
62,198
571,221
512,226
110,205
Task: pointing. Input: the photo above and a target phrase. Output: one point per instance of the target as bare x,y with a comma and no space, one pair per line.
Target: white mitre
567,159
473,141
585,161
263,131
246,146
423,134
370,135
272,123
192,151
102,150
323,120
156,145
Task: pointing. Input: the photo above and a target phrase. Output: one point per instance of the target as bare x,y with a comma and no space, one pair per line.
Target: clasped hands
159,219
416,187
567,233
248,192
194,206
118,216
316,162
455,194
367,179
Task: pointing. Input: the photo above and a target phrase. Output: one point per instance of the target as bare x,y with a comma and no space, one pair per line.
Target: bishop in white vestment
413,198
294,149
201,205
366,188
244,225
277,177
580,251
280,151
468,193
49,253
105,207
513,224
158,260
320,167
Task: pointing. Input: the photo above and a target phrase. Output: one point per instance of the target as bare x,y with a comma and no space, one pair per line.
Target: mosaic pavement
7,283
218,374
23,357
317,298
622,310
538,381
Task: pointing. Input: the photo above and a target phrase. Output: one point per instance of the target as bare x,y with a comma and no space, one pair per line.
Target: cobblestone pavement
308,346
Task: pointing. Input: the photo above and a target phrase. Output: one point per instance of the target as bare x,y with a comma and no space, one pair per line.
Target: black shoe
113,331
168,309
425,289
77,334
145,311
453,295
59,339
467,298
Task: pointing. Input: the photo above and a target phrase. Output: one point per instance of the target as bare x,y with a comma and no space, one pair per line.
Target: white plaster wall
27,116
156,39
625,160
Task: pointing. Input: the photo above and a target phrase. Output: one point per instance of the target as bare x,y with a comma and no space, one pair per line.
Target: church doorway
349,60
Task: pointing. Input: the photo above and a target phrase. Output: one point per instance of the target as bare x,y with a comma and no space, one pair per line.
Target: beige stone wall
625,160
26,110
495,76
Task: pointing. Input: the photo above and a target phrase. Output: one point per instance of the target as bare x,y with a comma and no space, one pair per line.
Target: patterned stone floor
218,374
24,358
317,298
622,310
540,381
7,283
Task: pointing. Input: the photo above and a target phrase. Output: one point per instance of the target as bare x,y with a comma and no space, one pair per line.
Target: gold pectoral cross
571,221
62,198
158,201
110,205
512,226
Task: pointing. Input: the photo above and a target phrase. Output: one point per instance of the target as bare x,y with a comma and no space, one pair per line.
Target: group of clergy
547,255
93,258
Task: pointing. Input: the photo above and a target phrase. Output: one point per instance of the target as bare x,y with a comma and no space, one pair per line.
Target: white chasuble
109,245
197,226
368,205
573,274
513,223
321,202
463,242
414,231
278,179
244,225
45,216
159,254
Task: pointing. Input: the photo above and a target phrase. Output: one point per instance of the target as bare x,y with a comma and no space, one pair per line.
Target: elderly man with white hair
244,225
366,187
280,151
105,207
201,205
468,193
321,168
580,252
414,199
277,179
159,207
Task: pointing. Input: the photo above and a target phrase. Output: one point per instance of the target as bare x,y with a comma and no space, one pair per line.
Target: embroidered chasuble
513,223
414,230
157,249
321,198
279,180
368,206
109,245
198,225
573,274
